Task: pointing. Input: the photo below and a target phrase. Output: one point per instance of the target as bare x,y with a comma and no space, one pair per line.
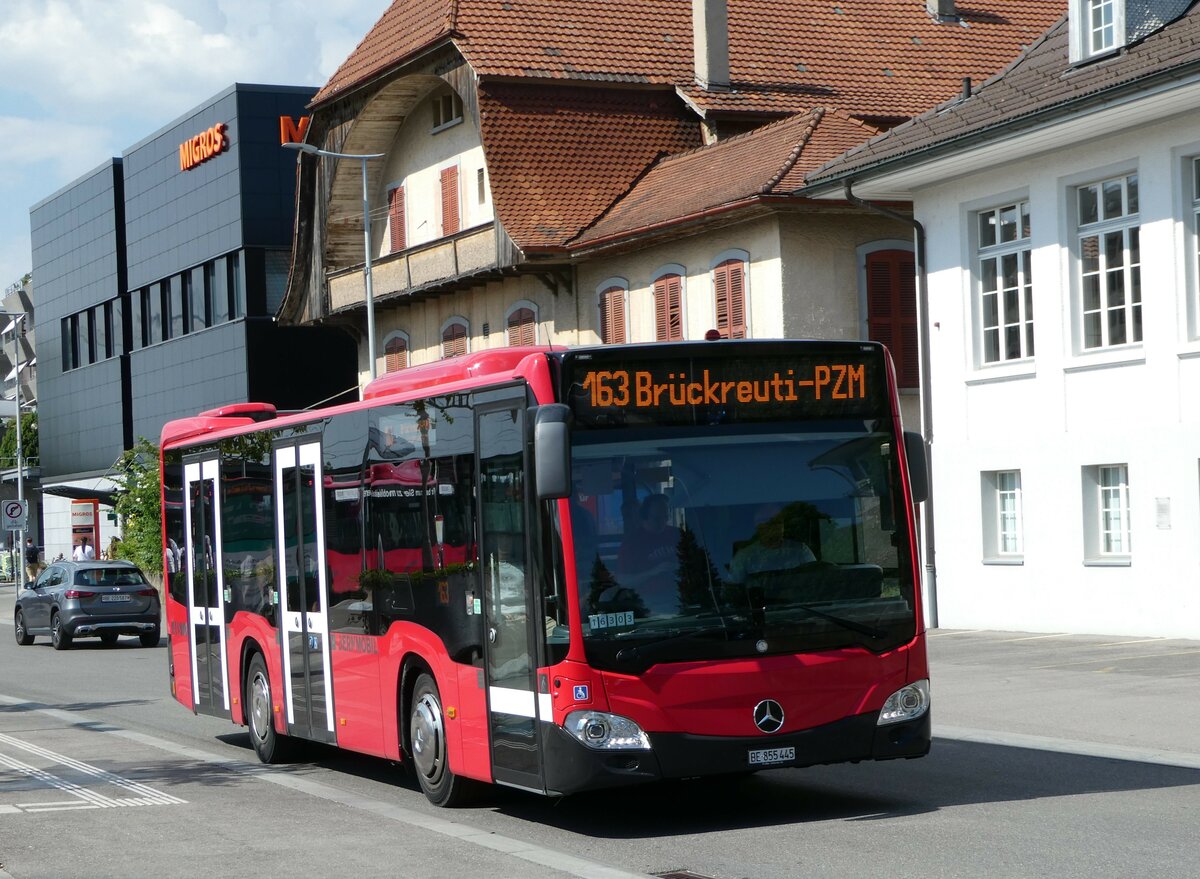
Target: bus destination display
709,390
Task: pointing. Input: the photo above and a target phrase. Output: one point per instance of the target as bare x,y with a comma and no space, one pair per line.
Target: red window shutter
892,310
612,316
454,340
396,218
668,308
521,329
396,355
450,200
729,287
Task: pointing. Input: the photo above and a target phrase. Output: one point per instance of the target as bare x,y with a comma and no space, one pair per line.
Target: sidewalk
1127,698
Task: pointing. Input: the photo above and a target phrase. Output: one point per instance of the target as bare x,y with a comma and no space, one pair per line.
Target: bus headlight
606,732
907,703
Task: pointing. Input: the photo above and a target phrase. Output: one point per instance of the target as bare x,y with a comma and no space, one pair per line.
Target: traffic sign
15,513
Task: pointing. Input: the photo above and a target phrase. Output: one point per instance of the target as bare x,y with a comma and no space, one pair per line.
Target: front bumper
572,767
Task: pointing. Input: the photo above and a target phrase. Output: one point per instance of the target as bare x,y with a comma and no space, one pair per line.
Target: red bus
561,570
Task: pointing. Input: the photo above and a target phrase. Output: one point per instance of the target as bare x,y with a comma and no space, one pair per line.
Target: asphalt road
1054,756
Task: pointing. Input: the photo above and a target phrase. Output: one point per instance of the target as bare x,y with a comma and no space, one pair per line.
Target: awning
74,492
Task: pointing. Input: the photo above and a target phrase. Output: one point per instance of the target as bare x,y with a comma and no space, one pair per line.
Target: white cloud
82,80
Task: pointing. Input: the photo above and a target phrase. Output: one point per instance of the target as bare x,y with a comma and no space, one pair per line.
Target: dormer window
447,111
1097,28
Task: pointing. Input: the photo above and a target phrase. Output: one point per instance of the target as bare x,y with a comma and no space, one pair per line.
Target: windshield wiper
853,626
643,651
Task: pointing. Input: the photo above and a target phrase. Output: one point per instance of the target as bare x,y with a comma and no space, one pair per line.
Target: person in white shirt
84,551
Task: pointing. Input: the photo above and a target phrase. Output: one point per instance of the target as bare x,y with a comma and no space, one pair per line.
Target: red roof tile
558,156
768,161
882,58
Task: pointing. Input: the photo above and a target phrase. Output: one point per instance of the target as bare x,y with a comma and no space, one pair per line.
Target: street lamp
362,157
17,319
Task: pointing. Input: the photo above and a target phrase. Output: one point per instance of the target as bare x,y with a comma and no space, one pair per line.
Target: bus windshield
703,542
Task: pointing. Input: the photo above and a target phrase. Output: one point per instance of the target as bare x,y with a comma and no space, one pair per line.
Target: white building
1060,204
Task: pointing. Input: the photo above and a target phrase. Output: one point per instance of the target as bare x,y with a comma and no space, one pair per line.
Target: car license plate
770,756
118,597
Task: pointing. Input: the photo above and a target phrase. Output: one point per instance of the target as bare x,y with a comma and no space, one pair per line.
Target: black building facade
158,276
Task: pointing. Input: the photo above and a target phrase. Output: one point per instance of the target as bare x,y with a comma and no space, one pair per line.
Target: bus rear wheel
269,745
427,738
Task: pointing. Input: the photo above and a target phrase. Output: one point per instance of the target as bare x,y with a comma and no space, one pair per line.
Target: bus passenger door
200,558
508,605
301,579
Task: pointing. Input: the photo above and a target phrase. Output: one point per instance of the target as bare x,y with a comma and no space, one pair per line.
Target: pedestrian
84,551
31,559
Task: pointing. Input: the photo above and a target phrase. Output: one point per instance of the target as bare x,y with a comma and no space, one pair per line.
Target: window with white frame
1003,525
1097,27
1005,284
1107,525
613,295
1110,271
447,111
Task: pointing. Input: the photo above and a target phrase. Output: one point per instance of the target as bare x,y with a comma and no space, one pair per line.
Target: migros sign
203,146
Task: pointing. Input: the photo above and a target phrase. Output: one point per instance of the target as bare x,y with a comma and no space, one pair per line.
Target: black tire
150,639
427,739
24,639
270,745
59,636
108,639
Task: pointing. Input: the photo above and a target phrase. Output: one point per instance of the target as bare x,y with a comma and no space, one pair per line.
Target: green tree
139,505
29,441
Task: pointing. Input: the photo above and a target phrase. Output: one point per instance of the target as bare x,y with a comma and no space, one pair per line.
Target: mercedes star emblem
768,716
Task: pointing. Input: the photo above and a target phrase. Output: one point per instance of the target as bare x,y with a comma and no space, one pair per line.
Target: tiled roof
877,58
406,27
1039,84
558,156
768,161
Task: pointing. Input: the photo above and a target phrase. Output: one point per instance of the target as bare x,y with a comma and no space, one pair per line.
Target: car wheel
24,639
59,636
270,745
108,639
151,638
427,738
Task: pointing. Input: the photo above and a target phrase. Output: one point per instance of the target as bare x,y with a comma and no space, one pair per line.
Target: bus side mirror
918,466
552,451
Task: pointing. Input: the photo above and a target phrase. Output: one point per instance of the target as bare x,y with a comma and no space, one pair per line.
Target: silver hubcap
428,739
260,707
20,624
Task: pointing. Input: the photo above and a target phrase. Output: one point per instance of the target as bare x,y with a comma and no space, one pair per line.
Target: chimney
941,10
710,43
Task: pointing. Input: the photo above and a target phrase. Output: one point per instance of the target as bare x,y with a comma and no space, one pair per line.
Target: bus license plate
117,597
770,756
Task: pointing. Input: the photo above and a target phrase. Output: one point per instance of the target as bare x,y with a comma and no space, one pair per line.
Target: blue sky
82,80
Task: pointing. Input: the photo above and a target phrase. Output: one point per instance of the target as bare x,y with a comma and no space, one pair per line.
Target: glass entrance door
508,603
301,579
201,560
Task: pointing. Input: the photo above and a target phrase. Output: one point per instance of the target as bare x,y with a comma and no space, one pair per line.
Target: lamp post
370,300
13,326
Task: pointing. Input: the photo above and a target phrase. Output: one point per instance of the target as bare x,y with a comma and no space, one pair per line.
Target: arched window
612,314
454,338
729,291
522,324
892,310
668,307
395,352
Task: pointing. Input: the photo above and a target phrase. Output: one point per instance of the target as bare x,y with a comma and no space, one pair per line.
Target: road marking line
517,848
1069,746
1110,659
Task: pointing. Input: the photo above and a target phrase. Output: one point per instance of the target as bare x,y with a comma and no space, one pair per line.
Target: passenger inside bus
773,547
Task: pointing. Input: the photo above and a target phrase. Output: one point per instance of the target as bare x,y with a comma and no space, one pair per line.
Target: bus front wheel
269,745
427,738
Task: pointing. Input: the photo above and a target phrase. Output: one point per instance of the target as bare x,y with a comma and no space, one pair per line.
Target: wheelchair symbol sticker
581,692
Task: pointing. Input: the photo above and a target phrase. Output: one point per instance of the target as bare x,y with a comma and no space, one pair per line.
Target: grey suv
88,599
